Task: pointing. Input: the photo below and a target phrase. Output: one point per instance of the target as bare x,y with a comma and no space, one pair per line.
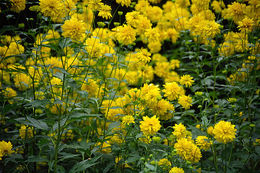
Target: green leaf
84,115
37,159
40,124
62,123
83,165
64,156
151,167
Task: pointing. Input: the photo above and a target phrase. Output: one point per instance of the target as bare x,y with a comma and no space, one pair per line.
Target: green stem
230,155
225,165
215,157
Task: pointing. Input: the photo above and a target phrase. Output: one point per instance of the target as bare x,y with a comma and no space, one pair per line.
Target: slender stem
230,155
83,158
214,157
225,165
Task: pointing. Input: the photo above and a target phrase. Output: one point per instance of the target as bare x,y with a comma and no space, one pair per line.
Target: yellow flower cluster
125,34
203,142
186,80
176,170
173,91
150,126
9,92
233,42
18,5
243,73
185,101
99,71
5,149
128,119
188,150
105,147
68,135
164,163
224,132
26,132
74,29
53,9
180,131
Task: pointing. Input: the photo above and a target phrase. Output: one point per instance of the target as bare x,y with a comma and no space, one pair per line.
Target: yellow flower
179,131
106,147
182,3
125,34
22,81
150,94
176,170
74,29
105,11
236,11
152,34
26,132
91,87
124,2
210,130
56,81
116,139
154,13
18,5
173,34
188,150
128,119
203,142
53,9
201,4
143,55
165,163
216,5
155,1
1,154
257,142
172,91
145,139
9,92
246,24
39,95
186,80
94,47
205,29
224,132
174,63
158,69
5,148
52,36
13,49
154,46
185,101
198,126
150,126
162,109
132,18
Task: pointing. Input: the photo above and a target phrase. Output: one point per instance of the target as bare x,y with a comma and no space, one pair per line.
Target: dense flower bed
129,86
